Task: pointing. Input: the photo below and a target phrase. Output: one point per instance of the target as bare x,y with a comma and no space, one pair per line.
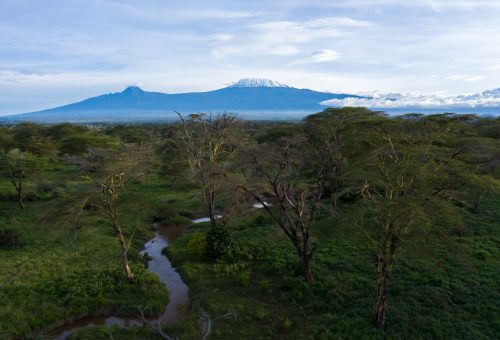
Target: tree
108,206
404,172
33,138
331,136
208,140
17,166
292,201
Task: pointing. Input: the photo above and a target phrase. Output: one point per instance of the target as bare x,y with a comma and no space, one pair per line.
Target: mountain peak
257,82
132,89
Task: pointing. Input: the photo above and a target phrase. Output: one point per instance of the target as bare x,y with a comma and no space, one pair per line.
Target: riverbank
178,300
55,278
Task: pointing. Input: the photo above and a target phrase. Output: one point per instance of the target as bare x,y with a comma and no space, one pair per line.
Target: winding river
159,264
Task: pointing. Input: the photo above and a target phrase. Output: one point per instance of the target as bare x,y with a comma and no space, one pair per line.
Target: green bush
220,243
243,278
262,220
9,238
167,215
197,245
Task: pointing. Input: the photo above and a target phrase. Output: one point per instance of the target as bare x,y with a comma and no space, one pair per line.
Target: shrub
262,220
243,278
265,285
461,231
50,189
10,239
220,243
167,215
197,245
163,211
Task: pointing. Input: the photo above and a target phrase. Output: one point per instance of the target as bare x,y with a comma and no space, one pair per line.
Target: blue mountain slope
133,104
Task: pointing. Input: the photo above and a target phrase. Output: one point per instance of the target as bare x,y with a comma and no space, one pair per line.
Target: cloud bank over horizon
490,98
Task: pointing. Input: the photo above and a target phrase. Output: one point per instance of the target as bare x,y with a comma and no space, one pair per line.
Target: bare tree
209,146
108,206
156,327
292,203
206,321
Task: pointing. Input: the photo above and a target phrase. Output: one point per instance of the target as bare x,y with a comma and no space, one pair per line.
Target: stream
159,264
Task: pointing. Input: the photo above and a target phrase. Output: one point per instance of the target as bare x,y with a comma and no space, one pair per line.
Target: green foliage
220,243
197,245
167,215
10,238
444,281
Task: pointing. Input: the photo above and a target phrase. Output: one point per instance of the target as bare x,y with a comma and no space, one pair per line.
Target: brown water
178,303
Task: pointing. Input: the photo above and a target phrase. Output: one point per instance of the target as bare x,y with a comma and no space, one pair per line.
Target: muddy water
178,303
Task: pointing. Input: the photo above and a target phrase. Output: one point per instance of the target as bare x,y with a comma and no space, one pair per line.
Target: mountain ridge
135,104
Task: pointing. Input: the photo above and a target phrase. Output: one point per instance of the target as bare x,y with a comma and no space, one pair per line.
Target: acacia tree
17,165
330,137
108,206
208,140
404,173
130,160
291,201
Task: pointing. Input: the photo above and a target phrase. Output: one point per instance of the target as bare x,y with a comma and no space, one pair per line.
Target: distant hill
251,98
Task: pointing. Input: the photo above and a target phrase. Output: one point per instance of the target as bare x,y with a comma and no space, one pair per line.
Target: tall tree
277,172
108,206
209,143
404,170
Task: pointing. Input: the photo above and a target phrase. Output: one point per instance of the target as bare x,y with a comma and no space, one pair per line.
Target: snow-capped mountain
251,98
257,82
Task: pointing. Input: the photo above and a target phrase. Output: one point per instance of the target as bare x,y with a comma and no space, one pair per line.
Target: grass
53,278
444,284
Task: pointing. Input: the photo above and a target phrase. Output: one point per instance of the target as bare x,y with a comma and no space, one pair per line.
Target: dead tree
156,327
209,145
293,204
108,206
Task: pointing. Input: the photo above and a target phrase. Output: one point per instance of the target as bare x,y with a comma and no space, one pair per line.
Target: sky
57,52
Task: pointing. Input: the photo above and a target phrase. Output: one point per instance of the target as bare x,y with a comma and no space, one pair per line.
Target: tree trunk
305,258
477,203
20,196
17,182
384,269
210,200
123,247
380,314
306,264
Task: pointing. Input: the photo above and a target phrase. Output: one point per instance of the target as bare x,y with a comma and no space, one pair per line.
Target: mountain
251,98
252,82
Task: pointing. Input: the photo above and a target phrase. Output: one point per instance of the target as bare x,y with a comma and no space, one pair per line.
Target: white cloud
288,37
211,14
221,37
324,55
321,56
338,22
465,77
395,100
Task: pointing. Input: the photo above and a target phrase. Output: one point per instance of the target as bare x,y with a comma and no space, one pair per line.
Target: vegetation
396,218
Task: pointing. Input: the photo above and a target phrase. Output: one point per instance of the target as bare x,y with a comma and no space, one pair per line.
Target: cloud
321,56
86,47
286,38
212,14
395,100
465,77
